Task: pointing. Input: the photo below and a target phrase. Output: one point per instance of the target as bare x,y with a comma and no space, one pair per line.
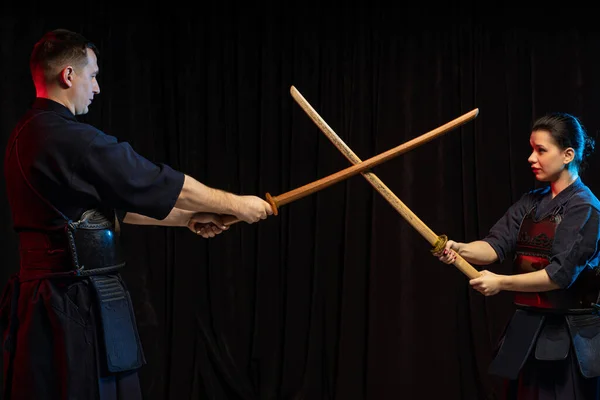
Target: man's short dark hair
56,49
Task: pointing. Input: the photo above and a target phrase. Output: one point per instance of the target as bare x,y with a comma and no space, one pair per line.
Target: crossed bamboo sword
362,167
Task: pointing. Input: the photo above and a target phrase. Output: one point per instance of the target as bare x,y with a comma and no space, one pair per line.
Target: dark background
337,297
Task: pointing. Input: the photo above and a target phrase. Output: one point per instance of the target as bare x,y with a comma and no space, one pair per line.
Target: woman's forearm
477,252
537,281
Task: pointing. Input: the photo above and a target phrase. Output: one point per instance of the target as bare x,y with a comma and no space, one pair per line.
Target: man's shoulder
56,127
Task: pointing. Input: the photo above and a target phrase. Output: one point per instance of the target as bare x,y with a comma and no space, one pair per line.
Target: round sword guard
272,202
439,244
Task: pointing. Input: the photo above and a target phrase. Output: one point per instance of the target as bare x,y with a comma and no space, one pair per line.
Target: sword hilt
273,202
439,244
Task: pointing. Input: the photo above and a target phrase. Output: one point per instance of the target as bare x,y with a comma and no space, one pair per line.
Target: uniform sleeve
125,180
575,244
503,235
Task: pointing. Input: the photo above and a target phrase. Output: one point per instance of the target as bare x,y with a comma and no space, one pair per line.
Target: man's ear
569,155
66,76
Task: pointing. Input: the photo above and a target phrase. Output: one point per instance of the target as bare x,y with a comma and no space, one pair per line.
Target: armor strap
25,276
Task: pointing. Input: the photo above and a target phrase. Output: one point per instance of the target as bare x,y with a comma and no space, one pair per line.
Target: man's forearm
198,197
177,217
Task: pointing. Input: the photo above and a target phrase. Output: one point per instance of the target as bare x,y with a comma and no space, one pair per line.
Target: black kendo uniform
68,326
551,346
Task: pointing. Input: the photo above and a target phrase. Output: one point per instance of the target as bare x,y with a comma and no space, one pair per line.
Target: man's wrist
183,219
230,203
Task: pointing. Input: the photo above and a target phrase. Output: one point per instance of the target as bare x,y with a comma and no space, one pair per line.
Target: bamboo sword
438,242
310,188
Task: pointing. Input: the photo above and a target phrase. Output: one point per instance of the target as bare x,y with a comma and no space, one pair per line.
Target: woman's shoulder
584,196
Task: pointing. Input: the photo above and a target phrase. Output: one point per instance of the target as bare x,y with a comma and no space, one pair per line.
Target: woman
551,346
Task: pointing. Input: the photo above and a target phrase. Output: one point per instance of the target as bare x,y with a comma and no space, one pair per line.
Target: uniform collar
566,192
44,104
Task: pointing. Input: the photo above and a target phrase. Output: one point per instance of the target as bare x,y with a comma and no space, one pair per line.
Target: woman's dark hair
57,48
567,131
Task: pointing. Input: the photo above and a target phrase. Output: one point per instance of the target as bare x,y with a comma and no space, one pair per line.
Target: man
68,326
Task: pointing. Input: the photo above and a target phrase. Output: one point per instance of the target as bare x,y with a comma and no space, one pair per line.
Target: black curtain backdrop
337,297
